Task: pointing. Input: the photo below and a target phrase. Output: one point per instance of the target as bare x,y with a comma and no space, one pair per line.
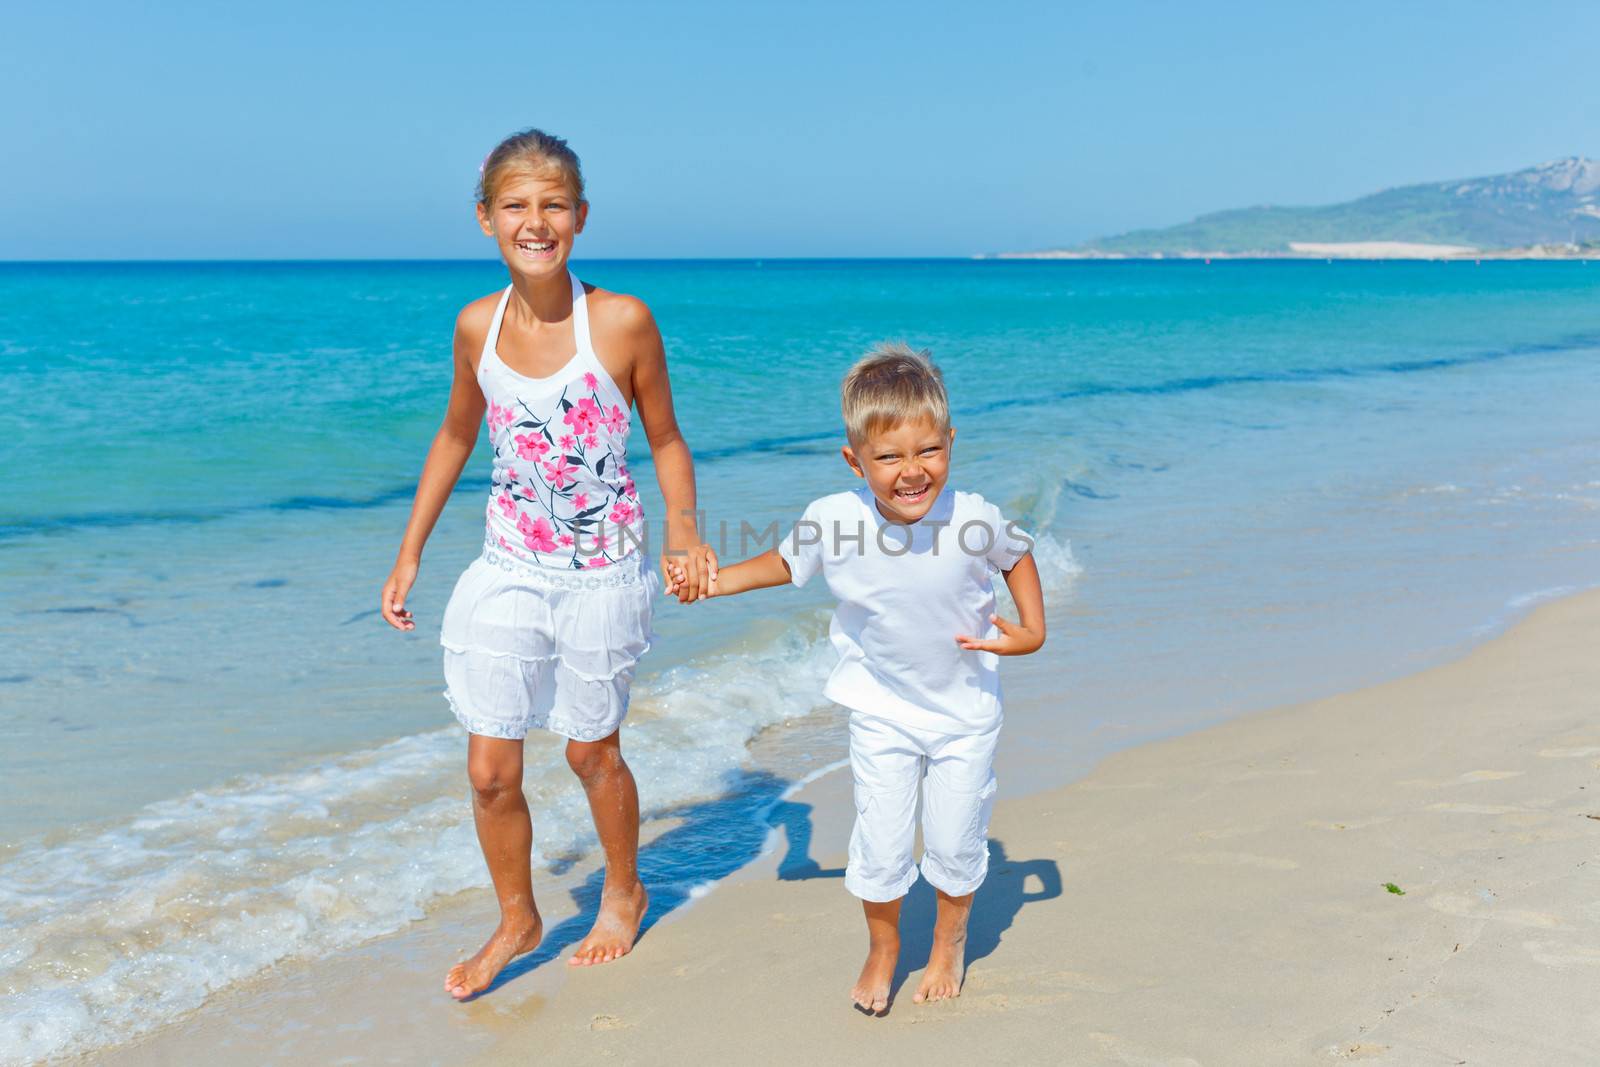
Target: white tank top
562,496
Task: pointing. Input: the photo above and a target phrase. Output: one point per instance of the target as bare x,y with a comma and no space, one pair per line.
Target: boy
918,643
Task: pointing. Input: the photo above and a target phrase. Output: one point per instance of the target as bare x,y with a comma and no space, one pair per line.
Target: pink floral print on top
583,416
569,497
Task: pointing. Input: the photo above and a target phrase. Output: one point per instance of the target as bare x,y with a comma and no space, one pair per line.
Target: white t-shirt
905,592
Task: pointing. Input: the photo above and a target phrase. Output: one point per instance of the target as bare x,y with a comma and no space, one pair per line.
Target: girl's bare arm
451,448
652,394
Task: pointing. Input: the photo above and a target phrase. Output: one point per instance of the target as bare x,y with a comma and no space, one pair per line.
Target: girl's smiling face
534,219
905,465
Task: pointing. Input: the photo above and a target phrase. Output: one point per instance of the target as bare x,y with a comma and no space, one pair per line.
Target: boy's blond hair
891,384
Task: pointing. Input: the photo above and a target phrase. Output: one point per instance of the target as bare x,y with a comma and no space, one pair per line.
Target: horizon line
981,257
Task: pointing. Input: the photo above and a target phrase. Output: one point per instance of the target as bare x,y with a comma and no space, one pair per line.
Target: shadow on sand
715,838
994,908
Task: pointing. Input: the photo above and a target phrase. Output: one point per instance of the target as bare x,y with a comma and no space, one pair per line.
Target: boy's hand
692,576
1014,640
678,578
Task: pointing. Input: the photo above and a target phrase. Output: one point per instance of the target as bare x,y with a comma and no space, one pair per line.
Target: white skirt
529,646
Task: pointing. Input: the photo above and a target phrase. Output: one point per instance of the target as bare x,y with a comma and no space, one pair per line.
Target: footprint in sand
1485,908
1563,954
1241,859
1350,824
606,1022
1461,779
1087,983
1357,1050
1111,787
1273,772
1577,752
1117,1047
1223,833
1048,979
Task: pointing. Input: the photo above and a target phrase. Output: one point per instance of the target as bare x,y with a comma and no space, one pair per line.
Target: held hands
392,604
1014,640
692,576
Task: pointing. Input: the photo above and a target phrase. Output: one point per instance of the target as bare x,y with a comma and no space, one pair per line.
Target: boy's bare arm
1027,633
758,572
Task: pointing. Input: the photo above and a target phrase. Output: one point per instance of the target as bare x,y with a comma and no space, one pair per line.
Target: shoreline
1112,902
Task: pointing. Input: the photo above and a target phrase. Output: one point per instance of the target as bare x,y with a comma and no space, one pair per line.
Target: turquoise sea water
1253,482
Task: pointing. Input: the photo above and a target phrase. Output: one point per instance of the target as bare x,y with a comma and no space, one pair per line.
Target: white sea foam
1540,596
1058,570
114,933
1520,605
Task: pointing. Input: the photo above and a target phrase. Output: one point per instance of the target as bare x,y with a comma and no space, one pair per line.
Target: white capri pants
889,760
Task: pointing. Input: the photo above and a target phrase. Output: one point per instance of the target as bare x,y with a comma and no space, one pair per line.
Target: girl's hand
1014,640
395,590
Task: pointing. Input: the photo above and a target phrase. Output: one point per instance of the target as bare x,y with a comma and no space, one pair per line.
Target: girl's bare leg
947,960
614,802
871,992
505,833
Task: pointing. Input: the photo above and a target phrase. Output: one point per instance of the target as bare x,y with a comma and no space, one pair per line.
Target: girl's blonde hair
891,384
531,152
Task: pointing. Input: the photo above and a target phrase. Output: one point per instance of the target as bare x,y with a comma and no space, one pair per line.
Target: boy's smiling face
905,465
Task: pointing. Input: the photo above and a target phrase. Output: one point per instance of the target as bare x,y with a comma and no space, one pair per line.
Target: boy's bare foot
942,979
615,928
871,991
948,957
509,940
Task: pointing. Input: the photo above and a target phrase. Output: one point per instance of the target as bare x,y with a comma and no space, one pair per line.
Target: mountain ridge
1553,207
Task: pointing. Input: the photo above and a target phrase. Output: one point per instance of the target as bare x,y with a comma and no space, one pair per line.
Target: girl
545,628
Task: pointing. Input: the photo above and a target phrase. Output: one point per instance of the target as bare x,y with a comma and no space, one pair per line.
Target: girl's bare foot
615,928
510,939
871,991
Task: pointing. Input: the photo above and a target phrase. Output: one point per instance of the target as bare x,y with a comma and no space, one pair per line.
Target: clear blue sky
293,129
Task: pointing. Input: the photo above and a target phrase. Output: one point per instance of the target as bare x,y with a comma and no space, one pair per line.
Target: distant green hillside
1551,204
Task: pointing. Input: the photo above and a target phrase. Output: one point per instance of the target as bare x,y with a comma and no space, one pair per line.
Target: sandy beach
1217,898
